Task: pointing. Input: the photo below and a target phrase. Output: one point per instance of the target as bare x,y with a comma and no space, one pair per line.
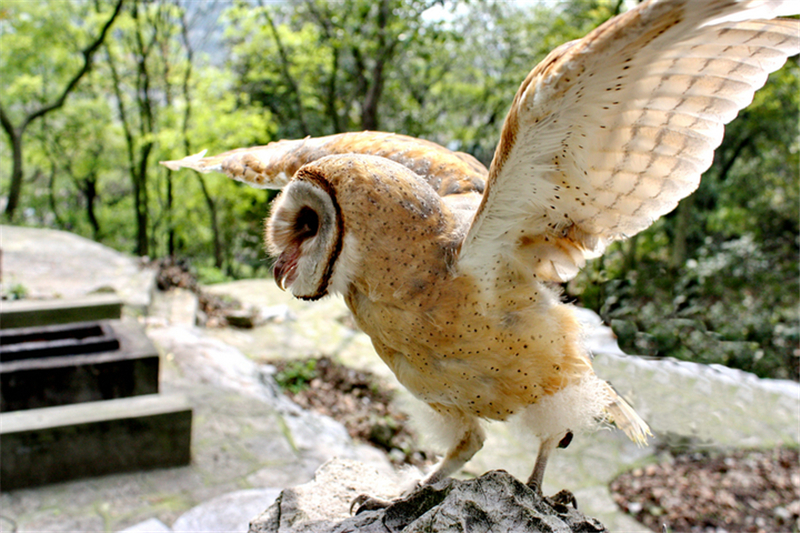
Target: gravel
739,491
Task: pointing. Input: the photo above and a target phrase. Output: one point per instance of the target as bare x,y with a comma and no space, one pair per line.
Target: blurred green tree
42,63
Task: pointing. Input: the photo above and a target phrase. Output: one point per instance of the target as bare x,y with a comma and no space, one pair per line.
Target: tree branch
87,53
6,122
285,69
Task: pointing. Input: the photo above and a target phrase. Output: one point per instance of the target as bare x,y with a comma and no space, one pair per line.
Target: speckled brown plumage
449,268
271,166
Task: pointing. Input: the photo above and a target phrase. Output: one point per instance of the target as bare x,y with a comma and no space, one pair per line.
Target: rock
242,318
321,503
253,316
495,501
56,264
153,525
227,513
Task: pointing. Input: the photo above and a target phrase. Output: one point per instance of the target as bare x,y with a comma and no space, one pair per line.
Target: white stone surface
153,525
326,499
57,264
230,513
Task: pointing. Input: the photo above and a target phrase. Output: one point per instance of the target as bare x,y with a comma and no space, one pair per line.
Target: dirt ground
741,491
356,399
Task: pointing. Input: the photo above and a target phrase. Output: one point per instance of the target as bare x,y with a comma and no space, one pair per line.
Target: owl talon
565,498
364,502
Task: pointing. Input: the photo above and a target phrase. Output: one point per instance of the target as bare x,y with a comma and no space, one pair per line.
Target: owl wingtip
190,161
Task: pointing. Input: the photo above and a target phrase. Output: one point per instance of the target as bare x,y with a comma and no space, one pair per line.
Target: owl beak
285,269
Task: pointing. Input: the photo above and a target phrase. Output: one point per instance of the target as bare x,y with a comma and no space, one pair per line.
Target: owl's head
358,220
305,232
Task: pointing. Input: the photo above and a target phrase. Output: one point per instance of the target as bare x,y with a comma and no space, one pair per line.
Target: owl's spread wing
609,132
273,165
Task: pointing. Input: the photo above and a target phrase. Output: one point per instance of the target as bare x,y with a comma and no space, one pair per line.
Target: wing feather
609,133
273,165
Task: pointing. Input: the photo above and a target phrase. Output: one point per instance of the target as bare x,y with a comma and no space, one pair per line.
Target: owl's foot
364,502
418,500
562,499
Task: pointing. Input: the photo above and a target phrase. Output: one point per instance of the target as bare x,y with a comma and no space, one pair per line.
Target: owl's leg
468,437
545,448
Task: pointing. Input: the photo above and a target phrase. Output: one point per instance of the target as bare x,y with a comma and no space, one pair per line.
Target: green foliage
731,305
39,50
16,291
209,274
296,375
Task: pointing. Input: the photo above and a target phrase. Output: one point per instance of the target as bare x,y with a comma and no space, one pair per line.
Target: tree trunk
15,137
293,86
142,241
212,206
629,254
90,194
683,222
369,111
52,197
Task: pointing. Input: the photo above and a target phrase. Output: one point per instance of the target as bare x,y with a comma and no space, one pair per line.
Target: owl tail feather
622,415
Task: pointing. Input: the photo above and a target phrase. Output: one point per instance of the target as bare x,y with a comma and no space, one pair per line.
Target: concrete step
27,313
67,442
66,377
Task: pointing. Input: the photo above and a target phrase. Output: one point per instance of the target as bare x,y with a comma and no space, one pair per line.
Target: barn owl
452,269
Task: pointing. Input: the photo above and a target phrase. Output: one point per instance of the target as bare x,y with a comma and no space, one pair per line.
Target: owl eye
307,223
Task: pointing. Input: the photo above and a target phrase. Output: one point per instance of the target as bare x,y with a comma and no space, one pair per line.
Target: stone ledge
29,313
54,444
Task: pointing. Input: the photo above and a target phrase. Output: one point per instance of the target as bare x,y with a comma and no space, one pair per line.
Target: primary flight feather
449,268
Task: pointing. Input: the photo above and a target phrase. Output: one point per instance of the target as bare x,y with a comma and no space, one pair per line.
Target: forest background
95,92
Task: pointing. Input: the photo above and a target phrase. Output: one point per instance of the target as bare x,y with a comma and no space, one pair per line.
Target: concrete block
67,442
29,383
28,313
51,341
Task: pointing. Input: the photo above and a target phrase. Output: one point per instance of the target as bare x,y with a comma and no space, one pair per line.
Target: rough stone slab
29,313
495,501
54,444
52,264
133,370
202,359
714,404
178,306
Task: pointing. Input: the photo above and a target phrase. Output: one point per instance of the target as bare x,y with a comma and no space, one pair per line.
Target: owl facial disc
305,233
